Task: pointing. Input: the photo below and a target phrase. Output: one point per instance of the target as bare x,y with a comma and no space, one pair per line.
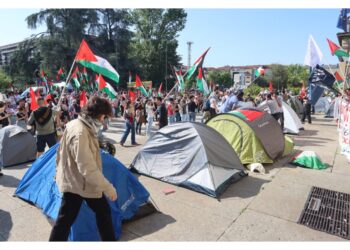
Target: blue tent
39,187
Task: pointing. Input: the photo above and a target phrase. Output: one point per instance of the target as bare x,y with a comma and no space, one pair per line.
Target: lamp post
166,66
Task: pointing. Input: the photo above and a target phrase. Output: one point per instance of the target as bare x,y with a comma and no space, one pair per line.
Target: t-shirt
192,106
279,101
170,110
4,122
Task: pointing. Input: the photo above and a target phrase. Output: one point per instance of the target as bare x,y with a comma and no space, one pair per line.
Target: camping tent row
207,158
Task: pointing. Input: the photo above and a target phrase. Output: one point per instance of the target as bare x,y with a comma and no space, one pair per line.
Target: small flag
139,86
60,74
85,75
160,90
106,87
197,64
76,82
259,72
201,83
33,104
270,87
180,80
338,78
336,50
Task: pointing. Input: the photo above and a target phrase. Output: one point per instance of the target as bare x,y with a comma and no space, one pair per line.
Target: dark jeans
306,115
281,120
42,140
129,127
138,127
69,210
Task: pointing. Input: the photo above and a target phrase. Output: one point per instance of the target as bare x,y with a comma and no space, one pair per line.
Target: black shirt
192,106
163,115
4,122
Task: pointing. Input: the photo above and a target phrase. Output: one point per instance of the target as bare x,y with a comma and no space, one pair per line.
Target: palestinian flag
201,83
96,82
197,64
85,75
97,64
139,86
309,159
60,74
338,78
76,82
180,80
336,50
106,87
33,104
259,72
160,90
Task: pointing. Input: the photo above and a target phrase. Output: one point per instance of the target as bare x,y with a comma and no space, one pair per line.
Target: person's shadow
5,225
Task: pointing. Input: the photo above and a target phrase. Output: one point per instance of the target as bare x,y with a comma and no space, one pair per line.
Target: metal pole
67,81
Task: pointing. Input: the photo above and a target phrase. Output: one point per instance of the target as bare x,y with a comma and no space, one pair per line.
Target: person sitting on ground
79,175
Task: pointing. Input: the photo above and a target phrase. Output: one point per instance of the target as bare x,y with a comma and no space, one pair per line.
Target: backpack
206,106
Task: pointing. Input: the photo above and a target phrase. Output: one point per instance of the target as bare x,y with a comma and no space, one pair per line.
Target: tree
5,80
154,43
223,78
297,74
278,76
24,62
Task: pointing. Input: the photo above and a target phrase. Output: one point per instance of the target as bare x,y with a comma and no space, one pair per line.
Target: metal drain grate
328,211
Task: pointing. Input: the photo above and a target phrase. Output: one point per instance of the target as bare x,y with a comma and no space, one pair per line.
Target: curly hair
96,107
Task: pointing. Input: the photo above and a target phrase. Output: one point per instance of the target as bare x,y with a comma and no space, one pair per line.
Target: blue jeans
149,125
192,116
129,126
171,119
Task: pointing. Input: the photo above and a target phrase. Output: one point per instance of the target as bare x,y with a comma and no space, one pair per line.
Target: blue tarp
39,187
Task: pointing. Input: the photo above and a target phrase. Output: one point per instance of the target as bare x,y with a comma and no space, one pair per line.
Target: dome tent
16,146
249,132
190,155
39,187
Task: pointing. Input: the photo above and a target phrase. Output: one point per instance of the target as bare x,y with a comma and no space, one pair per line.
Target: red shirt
170,110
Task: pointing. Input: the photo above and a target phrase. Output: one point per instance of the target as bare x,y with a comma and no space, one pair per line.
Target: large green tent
240,129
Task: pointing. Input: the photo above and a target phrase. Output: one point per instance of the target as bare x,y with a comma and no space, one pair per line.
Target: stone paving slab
255,226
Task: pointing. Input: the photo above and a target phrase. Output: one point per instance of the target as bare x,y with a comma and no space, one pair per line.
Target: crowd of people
62,106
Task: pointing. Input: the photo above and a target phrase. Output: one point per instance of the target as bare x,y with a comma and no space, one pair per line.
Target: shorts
42,140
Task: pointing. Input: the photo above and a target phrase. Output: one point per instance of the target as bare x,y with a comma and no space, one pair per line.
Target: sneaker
121,144
135,144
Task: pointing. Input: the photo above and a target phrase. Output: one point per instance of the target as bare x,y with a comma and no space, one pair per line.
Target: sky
236,37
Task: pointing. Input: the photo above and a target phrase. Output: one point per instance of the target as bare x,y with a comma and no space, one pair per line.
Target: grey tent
16,146
190,155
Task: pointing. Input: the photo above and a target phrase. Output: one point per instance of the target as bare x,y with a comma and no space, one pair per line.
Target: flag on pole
320,76
197,64
259,72
343,18
313,53
76,82
60,74
139,86
106,87
336,50
201,83
96,81
85,75
33,104
180,80
160,90
97,64
150,89
338,78
83,99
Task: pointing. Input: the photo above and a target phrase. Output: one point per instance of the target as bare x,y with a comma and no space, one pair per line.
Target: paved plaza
260,207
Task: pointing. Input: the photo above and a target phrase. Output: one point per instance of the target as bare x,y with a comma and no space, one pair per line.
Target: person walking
162,112
150,109
79,174
44,120
129,116
192,106
306,110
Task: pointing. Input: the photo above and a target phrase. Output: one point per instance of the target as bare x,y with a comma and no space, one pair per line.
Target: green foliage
278,77
253,90
154,43
297,74
5,80
223,78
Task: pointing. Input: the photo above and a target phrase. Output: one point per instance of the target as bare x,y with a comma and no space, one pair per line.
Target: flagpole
67,81
170,91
